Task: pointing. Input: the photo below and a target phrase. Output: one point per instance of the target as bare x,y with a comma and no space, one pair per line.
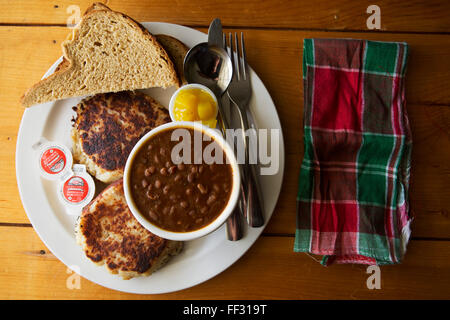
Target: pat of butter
195,104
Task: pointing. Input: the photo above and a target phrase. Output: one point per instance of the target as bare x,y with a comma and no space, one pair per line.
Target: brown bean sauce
179,197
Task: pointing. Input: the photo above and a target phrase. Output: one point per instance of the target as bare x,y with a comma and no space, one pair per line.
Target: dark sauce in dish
179,197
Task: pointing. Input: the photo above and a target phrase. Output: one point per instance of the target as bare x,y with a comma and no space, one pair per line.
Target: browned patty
107,127
110,235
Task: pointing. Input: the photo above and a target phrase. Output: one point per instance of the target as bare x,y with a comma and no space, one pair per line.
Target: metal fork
240,92
233,225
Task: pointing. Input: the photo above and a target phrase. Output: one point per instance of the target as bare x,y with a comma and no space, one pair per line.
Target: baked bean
181,166
216,187
153,215
151,196
194,169
156,158
198,220
148,172
168,164
157,184
191,213
144,183
177,177
166,189
202,188
163,171
188,191
211,199
172,169
184,204
200,169
190,177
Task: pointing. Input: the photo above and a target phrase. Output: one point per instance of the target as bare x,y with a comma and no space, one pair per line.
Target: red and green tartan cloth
352,201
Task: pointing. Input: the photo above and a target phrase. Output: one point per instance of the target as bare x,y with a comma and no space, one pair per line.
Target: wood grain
269,270
408,16
275,55
430,124
30,35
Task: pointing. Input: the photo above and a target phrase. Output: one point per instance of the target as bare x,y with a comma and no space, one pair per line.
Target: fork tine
231,54
238,57
244,58
227,47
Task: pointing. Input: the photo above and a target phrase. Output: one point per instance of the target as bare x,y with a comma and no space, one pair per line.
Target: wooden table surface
30,35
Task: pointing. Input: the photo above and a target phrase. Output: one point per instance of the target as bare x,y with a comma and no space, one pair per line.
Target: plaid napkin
352,202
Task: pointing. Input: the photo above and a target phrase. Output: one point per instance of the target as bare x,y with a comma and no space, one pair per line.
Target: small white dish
183,236
187,87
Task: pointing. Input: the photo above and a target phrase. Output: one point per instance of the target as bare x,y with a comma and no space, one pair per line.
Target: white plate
200,260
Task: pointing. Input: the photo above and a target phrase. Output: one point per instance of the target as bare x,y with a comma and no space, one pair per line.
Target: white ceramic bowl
190,86
183,236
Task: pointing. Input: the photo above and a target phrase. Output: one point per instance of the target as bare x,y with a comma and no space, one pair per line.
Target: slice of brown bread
107,52
177,51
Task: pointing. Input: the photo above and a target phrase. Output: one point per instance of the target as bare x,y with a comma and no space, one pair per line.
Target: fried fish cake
110,235
106,128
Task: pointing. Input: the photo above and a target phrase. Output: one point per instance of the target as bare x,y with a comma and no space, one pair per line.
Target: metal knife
234,224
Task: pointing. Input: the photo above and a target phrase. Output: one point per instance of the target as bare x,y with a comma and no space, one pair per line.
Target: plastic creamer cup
76,188
55,159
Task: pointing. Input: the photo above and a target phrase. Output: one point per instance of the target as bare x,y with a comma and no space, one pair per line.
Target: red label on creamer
75,189
53,160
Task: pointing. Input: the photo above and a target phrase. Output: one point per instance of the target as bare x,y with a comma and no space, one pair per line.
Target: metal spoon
211,66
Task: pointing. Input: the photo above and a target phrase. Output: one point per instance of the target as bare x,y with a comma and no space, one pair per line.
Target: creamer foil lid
54,159
77,190
55,162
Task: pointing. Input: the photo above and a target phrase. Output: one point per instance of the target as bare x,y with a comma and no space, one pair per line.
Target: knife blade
215,35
